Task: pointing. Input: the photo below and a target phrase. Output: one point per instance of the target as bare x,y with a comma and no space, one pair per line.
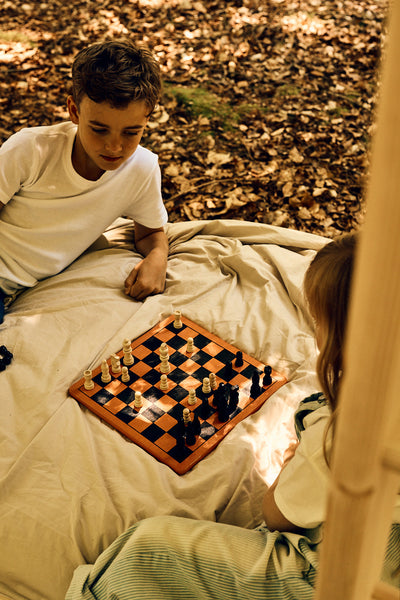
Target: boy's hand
147,277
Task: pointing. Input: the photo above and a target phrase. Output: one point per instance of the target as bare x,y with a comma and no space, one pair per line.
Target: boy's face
106,136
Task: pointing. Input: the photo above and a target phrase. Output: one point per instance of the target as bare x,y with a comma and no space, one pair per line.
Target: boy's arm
148,276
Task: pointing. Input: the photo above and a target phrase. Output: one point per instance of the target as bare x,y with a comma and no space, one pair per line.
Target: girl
167,558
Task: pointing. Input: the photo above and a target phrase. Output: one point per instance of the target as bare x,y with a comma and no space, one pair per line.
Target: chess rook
178,320
88,384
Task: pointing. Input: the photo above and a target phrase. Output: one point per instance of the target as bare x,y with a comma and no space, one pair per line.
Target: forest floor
268,105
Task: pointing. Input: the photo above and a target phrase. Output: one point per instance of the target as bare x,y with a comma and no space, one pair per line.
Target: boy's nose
113,145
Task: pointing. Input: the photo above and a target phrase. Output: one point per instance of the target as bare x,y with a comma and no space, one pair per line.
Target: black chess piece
267,379
239,359
196,424
233,398
228,371
190,435
5,357
204,408
255,389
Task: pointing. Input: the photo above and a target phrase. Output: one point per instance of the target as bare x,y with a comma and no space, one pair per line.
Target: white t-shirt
302,490
52,214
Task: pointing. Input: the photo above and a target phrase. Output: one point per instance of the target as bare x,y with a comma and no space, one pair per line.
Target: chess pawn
192,397
88,384
186,415
105,372
177,321
190,345
138,402
165,366
128,359
125,377
267,379
115,363
206,389
164,382
213,381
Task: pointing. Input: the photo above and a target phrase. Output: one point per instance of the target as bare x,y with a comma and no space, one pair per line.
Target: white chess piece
138,403
190,345
128,359
105,372
206,386
186,415
125,377
165,366
192,397
164,382
177,321
115,363
213,381
88,384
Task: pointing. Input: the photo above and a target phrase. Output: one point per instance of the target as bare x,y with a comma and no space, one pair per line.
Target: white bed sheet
70,484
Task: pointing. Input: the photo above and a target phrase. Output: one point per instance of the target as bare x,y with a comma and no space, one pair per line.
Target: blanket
71,484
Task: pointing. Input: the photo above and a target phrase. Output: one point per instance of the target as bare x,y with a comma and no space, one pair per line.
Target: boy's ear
73,110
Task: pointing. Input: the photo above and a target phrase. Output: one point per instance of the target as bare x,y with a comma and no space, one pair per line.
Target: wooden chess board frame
135,430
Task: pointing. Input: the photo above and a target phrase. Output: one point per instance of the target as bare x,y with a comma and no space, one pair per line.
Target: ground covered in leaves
268,105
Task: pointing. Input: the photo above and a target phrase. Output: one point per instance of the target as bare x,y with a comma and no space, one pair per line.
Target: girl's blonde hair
327,286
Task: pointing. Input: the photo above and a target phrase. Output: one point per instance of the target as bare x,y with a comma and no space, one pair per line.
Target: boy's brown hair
117,72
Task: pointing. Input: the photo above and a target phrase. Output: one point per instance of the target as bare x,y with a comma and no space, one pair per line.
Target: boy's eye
99,130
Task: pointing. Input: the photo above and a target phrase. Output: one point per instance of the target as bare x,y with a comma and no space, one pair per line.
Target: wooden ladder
366,457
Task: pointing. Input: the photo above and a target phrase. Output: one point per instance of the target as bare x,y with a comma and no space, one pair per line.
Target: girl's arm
274,519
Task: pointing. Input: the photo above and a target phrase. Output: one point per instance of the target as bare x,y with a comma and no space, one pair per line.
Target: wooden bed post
366,460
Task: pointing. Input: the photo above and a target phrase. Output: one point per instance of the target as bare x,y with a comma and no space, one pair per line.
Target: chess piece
239,359
164,353
192,397
213,381
228,371
88,384
206,389
255,389
164,382
165,366
105,372
128,359
186,415
177,321
190,345
196,424
125,377
138,402
5,357
267,379
233,398
115,363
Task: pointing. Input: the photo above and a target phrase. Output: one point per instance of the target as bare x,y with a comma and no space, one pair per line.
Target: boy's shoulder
40,134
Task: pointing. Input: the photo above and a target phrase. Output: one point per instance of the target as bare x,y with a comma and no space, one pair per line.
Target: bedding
70,484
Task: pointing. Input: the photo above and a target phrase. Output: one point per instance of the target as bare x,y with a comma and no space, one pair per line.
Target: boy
62,185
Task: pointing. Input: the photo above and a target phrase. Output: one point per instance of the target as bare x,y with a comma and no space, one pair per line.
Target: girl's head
327,288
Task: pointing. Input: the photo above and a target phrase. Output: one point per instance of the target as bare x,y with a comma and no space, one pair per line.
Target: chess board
155,426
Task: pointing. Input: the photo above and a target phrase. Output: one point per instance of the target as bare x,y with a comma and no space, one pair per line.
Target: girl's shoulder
310,410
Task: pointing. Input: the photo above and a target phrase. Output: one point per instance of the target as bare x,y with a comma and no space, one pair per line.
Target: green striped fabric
173,558
168,558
